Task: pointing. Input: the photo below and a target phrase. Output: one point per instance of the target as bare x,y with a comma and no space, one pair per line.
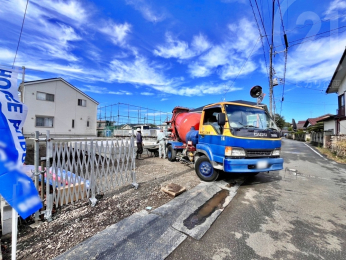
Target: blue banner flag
15,186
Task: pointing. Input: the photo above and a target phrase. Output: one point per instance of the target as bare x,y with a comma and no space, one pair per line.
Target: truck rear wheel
171,153
204,169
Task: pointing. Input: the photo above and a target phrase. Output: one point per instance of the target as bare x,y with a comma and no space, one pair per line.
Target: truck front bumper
251,165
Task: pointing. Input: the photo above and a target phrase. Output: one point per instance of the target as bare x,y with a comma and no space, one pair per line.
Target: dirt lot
77,222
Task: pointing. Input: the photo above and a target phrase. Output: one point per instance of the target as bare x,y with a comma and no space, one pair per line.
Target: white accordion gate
82,169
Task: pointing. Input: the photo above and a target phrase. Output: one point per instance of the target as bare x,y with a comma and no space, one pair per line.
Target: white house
338,85
56,105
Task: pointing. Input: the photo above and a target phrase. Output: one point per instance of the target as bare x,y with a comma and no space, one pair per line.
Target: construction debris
173,189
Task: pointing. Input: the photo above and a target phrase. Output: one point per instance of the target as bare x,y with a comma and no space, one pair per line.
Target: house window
82,102
88,124
45,96
44,121
341,103
72,123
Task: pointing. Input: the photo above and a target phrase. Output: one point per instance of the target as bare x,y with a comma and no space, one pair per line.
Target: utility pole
271,66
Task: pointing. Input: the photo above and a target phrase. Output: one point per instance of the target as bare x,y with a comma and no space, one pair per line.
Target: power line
309,24
282,21
259,30
291,83
319,104
241,69
259,13
312,36
299,43
283,86
20,35
285,66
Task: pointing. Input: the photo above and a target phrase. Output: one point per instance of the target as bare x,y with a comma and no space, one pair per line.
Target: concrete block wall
6,217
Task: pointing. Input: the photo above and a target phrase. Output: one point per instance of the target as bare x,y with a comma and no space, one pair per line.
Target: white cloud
138,71
70,9
121,92
227,58
200,90
66,11
147,93
103,90
174,48
7,56
147,10
164,99
200,43
117,32
336,9
93,89
314,60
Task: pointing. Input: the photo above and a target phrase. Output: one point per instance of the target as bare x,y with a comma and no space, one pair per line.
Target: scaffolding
120,114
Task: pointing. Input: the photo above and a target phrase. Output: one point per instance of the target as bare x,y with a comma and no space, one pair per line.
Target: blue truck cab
233,137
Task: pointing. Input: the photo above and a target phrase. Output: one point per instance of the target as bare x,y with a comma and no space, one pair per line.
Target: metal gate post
36,162
133,161
49,197
93,199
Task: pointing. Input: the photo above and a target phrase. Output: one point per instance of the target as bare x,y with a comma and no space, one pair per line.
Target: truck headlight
234,151
276,152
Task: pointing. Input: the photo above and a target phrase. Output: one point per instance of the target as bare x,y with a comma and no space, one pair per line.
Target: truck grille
258,153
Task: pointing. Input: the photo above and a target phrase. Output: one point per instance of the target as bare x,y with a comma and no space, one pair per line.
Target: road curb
156,234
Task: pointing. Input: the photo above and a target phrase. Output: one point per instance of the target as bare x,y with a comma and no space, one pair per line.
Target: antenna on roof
256,92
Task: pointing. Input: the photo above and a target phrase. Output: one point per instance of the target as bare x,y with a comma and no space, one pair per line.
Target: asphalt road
297,213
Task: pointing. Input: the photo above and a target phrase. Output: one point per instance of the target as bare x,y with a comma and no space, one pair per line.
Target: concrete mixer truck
233,137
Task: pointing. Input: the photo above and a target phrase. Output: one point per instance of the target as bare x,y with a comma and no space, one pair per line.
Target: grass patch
330,155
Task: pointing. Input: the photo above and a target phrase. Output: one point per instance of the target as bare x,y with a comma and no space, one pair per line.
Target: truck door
210,133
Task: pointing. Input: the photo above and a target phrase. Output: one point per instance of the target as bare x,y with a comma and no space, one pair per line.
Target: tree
287,124
280,121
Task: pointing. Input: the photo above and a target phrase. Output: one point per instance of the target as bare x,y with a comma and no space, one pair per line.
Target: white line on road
316,152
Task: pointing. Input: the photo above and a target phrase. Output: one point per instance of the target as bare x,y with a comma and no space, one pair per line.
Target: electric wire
309,24
291,83
284,83
304,103
259,13
20,35
285,66
299,43
312,36
282,21
259,30
242,67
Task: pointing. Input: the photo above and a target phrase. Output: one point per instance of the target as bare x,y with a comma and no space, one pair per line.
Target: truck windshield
249,117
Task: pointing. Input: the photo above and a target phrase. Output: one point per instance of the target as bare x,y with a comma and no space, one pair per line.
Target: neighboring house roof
313,121
26,83
127,125
338,76
331,117
300,124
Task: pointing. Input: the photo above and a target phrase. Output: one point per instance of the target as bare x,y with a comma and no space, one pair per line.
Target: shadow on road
250,180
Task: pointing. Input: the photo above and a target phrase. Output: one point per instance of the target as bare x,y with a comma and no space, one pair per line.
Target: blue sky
161,54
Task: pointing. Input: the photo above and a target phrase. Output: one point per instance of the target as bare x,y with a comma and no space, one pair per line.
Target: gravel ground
77,222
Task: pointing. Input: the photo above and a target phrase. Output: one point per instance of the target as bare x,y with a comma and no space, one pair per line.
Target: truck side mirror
221,119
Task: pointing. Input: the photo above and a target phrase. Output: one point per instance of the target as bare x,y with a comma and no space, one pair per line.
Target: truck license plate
262,164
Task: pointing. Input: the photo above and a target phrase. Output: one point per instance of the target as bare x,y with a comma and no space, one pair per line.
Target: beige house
337,85
56,105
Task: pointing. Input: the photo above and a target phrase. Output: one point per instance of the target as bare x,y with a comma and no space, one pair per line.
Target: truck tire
204,169
171,153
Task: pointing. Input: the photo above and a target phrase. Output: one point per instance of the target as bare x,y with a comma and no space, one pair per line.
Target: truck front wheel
171,153
205,170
